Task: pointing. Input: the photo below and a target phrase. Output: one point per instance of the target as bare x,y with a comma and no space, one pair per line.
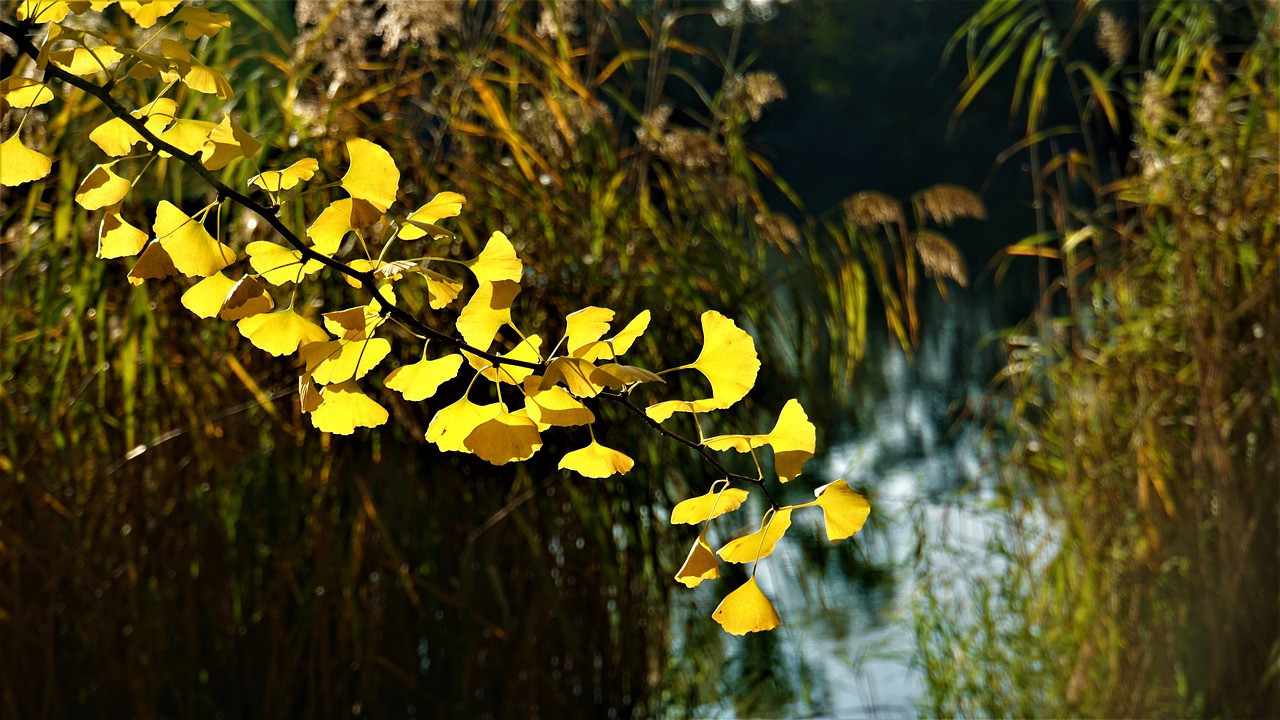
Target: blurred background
1018,260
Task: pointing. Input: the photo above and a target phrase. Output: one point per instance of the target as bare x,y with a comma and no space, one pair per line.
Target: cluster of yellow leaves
337,353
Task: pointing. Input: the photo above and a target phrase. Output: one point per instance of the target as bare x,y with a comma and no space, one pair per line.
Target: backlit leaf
280,332
43,11
343,408
247,298
20,164
504,438
793,440
618,376
573,373
117,238
226,142
586,326
759,544
596,461
443,290
200,22
117,138
287,179
661,412
193,250
147,12
555,407
85,61
22,92
420,380
700,565
528,350
353,360
746,610
193,73
612,347
452,424
704,507
728,359
102,187
152,264
844,510
187,135
497,262
372,175
205,298
278,264
443,205
486,312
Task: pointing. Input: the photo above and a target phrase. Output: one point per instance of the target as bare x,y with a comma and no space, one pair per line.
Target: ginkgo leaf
278,264
661,412
452,424
596,461
308,393
574,373
147,12
194,74
246,299
497,262
102,187
287,179
352,361
335,221
280,332
619,376
117,238
843,510
555,407
759,544
528,350
443,205
353,323
793,440
20,164
612,347
443,290
586,326
504,438
372,176
22,92
728,359
205,298
700,565
422,379
86,61
43,11
193,250
704,507
226,142
486,312
187,135
344,407
152,264
746,610
117,138
200,22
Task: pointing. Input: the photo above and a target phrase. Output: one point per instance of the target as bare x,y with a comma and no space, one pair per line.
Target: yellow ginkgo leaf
147,12
619,376
700,565
152,264
596,461
555,407
486,312
660,412
308,393
353,323
728,359
759,544
43,11
205,298
117,138
117,238
353,360
704,507
793,439
612,347
844,510
372,176
200,22
422,379
497,262
287,179
226,142
338,219
528,350
280,332
278,264
573,373
187,135
504,438
452,424
443,290
343,408
86,61
22,92
746,610
246,299
102,187
586,326
20,164
443,205
193,250
194,74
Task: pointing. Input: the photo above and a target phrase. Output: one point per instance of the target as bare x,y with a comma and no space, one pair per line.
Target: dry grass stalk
940,258
870,208
944,204
1113,37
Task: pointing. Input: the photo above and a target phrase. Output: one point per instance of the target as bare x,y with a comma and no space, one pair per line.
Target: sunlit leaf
22,92
20,164
704,507
793,440
528,350
759,544
443,205
586,326
117,238
86,61
193,250
343,408
618,376
42,11
278,264
226,142
844,510
335,221
497,262
147,12
661,412
205,298
247,298
287,179
353,360
193,73
486,312
422,379
612,347
452,424
555,407
372,175
728,359
308,393
280,332
504,438
573,373
354,323
117,138
102,187
596,461
700,565
443,290
152,264
200,22
187,135
746,610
